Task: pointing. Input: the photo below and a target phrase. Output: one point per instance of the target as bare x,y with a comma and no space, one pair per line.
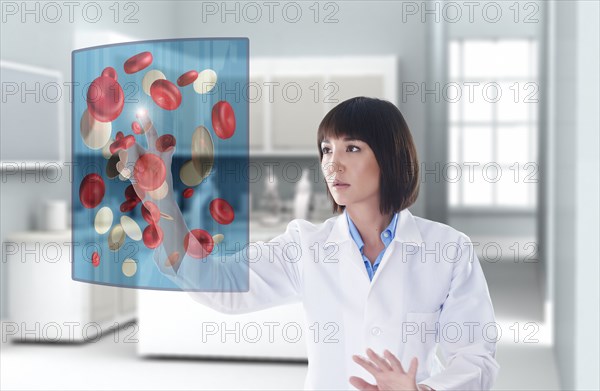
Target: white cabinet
174,324
290,96
45,304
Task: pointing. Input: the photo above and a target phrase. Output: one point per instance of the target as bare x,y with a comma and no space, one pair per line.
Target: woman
373,278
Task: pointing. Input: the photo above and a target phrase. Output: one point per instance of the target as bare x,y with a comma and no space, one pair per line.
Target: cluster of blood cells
152,234
131,199
121,143
105,102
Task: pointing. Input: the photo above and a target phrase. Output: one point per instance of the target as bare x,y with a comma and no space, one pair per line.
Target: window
492,99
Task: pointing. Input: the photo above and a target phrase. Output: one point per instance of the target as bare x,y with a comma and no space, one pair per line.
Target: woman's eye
325,150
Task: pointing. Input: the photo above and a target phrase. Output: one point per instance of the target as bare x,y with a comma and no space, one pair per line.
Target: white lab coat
429,290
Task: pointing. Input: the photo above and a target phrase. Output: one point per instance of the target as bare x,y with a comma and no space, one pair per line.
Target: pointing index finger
148,127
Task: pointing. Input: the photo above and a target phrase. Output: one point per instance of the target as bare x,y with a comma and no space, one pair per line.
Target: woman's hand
169,254
388,374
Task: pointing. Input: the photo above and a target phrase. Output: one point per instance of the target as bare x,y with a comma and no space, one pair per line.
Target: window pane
452,178
533,65
479,110
513,144
533,111
478,191
533,195
453,143
477,144
454,111
534,144
512,105
512,190
454,57
479,59
512,58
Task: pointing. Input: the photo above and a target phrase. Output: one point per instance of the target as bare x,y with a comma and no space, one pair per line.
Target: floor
525,356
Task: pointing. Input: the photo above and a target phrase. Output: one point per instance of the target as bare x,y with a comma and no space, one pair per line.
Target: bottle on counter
303,196
270,204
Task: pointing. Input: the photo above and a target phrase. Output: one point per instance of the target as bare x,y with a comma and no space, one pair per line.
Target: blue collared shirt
386,237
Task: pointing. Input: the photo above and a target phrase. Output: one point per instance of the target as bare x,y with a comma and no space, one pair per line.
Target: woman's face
353,163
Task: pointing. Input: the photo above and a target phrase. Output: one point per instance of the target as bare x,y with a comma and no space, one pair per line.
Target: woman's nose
334,164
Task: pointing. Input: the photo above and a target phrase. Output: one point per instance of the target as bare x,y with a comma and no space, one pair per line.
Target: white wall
575,192
587,292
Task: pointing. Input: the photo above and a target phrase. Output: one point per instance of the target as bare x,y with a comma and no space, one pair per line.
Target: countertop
258,230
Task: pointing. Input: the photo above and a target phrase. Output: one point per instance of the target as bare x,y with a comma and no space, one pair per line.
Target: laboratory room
285,195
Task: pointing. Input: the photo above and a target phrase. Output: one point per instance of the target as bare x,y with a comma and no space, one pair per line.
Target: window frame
532,123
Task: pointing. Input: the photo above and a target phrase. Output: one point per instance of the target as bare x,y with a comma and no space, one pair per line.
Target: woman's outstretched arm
258,277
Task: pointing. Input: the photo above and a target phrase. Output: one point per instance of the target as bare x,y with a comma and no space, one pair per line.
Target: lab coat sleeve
470,358
272,276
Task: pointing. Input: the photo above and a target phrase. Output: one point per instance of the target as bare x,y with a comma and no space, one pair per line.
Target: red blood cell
166,142
150,212
165,94
198,243
221,211
187,78
149,172
187,193
223,119
123,142
128,205
152,236
91,190
110,72
95,259
130,193
137,128
138,62
105,99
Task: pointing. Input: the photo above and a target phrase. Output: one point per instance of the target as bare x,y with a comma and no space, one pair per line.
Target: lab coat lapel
405,246
347,250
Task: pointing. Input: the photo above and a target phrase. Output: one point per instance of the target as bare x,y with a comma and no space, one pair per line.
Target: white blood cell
103,220
203,151
149,78
159,193
129,267
206,81
95,134
131,228
188,174
106,149
116,237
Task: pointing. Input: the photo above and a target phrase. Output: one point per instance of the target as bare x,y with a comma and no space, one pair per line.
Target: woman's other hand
387,371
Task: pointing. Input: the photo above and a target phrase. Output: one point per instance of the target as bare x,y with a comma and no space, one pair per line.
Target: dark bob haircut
380,124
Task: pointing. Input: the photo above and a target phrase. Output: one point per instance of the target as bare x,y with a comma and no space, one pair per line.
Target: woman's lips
341,186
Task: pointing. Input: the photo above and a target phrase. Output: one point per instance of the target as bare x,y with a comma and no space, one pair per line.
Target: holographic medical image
160,150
